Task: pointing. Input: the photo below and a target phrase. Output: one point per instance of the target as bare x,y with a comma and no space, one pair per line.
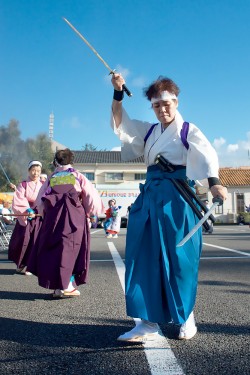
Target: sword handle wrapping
126,90
218,200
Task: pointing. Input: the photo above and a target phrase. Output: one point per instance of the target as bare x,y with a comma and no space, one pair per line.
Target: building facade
114,178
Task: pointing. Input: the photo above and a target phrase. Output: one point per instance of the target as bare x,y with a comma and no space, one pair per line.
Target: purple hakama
66,199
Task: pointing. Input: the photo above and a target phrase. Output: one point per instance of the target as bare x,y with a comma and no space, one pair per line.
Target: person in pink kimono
27,226
66,201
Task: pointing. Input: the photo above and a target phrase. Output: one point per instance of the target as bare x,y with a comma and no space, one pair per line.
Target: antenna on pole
51,126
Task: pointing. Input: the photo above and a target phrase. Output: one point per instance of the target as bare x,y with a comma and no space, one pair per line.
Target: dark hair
112,200
161,84
63,157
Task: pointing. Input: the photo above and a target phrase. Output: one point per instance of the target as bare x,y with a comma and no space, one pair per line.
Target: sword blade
111,71
17,215
89,45
217,202
5,174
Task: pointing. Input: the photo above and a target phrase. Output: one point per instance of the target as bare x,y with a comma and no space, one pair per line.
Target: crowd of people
51,238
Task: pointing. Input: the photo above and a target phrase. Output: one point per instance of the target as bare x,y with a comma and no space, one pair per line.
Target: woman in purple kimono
27,227
66,200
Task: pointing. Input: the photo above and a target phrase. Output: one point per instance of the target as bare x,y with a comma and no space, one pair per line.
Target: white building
114,178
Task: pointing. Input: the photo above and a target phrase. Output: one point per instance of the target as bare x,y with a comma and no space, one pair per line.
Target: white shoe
20,270
27,273
58,293
115,236
141,332
188,330
109,236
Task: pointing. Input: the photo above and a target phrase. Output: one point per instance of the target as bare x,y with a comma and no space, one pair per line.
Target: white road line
227,249
96,231
161,359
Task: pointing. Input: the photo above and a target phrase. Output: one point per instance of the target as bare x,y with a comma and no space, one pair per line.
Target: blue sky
202,45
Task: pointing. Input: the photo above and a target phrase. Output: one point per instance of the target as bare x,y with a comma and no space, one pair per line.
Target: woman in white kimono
161,279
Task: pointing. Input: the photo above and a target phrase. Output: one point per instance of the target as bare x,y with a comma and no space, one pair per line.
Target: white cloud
119,69
218,142
233,155
232,148
124,71
75,123
139,82
117,148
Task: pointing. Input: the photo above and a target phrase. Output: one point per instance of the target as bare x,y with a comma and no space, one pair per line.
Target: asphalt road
39,335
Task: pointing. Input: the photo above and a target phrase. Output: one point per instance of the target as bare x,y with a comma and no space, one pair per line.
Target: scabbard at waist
154,171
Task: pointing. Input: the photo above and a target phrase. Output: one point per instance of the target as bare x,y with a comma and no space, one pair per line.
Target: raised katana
111,71
216,202
5,174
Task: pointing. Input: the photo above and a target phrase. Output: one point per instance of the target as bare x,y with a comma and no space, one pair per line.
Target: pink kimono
25,231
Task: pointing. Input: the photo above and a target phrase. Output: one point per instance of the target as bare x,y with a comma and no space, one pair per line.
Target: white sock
70,286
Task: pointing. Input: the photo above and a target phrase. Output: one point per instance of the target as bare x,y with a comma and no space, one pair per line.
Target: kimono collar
177,123
63,167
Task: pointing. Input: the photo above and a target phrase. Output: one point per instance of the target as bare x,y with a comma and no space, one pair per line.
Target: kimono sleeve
91,200
20,204
131,134
202,160
39,202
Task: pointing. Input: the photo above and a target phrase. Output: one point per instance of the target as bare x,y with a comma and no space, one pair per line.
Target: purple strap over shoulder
149,132
184,134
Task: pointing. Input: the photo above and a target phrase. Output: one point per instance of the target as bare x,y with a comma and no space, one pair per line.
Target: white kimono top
200,159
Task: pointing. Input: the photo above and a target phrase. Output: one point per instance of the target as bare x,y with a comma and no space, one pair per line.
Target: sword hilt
124,87
218,200
126,90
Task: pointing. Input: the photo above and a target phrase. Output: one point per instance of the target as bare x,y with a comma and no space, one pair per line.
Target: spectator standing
27,226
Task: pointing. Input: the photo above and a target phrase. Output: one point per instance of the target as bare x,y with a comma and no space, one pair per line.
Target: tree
88,147
15,154
40,149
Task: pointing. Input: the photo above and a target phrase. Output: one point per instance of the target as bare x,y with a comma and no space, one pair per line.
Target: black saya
185,190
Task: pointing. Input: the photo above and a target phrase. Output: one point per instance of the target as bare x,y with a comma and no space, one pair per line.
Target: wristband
118,95
213,181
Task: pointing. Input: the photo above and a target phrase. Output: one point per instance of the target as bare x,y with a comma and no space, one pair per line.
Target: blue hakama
161,279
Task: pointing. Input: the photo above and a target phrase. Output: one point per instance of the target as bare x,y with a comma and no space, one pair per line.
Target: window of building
219,210
140,176
113,176
90,175
240,205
